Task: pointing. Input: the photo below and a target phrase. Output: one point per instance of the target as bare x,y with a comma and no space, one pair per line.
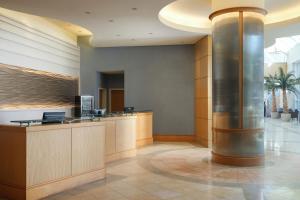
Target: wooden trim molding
254,130
238,9
144,142
241,68
174,138
238,161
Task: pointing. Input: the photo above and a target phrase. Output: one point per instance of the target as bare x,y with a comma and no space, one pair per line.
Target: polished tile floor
183,171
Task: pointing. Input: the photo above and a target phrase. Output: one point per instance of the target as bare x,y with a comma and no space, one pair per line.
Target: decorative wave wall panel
21,45
22,87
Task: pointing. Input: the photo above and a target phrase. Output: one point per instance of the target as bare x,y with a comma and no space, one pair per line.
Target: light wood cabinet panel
110,138
37,160
88,149
125,134
48,156
144,126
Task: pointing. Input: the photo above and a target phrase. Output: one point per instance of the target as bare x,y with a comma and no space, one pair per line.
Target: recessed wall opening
111,91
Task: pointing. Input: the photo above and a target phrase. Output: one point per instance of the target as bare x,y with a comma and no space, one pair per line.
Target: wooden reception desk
41,160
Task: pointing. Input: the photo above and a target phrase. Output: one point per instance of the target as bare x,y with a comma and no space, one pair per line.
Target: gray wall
157,78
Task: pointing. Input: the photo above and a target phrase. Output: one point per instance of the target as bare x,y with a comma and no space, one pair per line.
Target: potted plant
271,85
287,82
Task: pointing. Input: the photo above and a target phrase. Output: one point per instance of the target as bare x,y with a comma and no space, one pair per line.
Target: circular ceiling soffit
193,15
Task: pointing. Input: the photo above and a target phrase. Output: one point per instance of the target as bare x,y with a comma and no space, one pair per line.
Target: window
277,53
296,69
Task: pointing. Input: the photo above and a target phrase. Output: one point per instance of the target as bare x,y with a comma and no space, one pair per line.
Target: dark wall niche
111,80
27,88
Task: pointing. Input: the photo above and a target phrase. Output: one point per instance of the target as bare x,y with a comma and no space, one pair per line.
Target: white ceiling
279,5
129,27
117,23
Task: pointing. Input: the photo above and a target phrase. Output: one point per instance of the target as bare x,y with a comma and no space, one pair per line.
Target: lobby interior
185,99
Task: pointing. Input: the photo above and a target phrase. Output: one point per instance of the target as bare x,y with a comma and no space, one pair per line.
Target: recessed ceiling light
87,12
134,9
111,21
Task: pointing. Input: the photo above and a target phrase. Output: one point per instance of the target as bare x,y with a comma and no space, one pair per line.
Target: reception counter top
44,159
78,120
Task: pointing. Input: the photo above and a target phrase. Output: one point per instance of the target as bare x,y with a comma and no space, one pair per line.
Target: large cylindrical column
238,78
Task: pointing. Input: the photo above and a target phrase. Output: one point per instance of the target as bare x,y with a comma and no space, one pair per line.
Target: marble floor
183,171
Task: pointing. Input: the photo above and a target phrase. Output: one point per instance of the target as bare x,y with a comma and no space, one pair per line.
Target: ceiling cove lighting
192,15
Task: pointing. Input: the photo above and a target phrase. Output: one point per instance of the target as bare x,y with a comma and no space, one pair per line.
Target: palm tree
272,85
287,82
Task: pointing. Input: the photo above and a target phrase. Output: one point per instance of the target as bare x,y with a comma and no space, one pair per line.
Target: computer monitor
53,117
128,109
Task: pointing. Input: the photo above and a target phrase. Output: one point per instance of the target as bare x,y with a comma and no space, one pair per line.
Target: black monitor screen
128,109
53,117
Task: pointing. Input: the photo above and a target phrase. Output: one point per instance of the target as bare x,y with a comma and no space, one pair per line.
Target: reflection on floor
181,171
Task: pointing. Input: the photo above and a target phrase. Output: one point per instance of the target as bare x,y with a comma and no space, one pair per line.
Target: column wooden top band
238,9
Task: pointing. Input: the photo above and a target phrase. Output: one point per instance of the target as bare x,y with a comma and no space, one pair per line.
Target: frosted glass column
238,78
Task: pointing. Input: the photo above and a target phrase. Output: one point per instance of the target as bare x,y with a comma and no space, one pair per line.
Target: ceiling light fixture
87,12
134,9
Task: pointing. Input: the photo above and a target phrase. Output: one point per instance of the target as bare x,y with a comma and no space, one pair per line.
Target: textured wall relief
27,88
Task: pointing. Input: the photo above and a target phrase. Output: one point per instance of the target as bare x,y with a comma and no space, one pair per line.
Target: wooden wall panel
88,149
48,156
203,48
198,69
197,88
203,91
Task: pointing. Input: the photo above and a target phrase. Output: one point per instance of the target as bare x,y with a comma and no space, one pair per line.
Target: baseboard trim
204,142
238,161
120,155
144,142
174,138
38,192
